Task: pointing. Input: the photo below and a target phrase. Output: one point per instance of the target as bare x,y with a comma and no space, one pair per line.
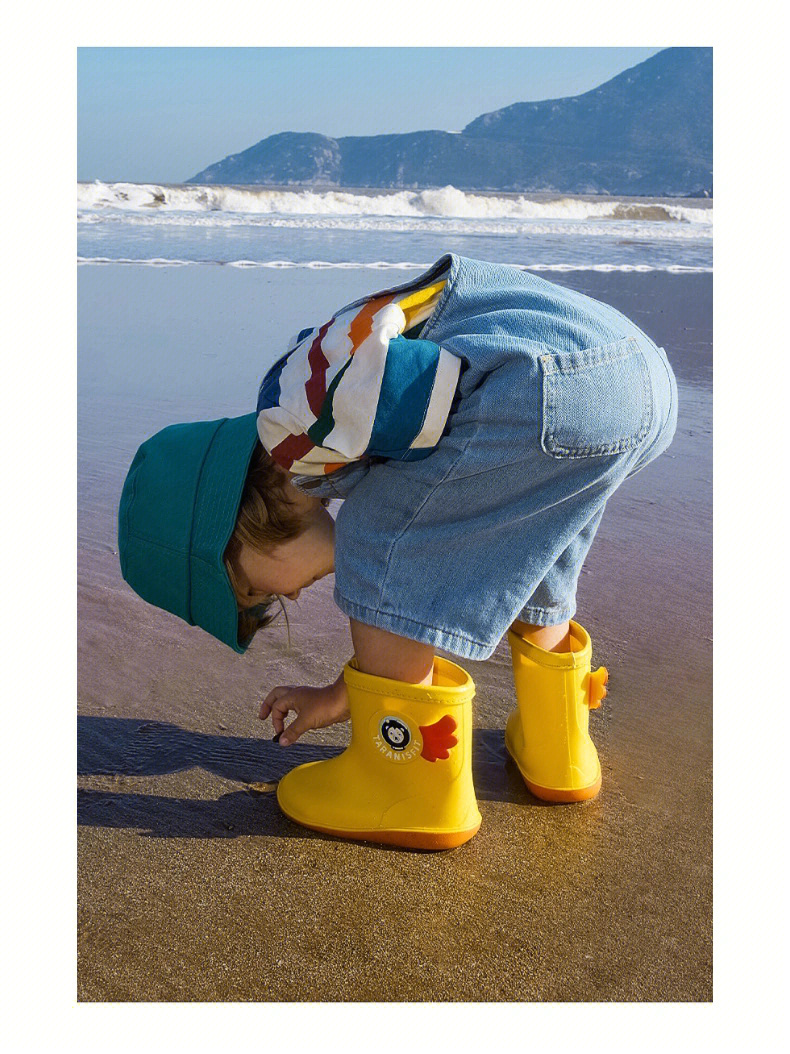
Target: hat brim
217,499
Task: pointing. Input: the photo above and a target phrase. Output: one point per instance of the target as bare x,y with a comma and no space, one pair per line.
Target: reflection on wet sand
192,884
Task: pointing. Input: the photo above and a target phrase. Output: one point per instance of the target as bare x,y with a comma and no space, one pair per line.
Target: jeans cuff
537,616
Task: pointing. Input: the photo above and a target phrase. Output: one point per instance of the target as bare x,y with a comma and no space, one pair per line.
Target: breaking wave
198,204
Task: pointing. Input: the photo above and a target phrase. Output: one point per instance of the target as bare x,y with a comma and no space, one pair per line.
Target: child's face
293,565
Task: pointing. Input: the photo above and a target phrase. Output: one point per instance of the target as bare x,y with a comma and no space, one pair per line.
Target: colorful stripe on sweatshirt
360,386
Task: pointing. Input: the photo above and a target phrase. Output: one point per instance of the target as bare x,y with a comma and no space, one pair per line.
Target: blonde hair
267,517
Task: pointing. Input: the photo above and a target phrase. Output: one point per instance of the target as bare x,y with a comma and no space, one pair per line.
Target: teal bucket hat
176,516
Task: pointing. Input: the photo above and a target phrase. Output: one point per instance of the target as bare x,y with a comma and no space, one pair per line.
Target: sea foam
220,204
380,265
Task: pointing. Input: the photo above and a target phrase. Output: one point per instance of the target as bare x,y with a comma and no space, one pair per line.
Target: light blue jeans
560,399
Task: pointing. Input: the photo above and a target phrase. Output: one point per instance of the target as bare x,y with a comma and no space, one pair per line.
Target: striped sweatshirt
361,385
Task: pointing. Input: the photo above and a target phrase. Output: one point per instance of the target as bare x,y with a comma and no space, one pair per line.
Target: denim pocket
598,401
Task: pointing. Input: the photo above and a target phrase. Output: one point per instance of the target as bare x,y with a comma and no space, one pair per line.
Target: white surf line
317,265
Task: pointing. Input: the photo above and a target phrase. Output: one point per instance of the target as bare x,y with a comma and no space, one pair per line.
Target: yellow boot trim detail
548,735
596,687
406,777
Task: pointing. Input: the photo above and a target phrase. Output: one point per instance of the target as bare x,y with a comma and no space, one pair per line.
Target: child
475,420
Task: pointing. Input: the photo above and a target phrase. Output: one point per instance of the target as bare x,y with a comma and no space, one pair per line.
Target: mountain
649,130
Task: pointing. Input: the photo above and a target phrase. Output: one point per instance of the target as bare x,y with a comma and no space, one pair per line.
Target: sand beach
193,886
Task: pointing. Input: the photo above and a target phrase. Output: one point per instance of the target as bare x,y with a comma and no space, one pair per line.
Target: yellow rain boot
406,777
547,736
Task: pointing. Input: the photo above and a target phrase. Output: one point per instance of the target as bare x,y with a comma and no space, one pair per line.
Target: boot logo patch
395,733
395,740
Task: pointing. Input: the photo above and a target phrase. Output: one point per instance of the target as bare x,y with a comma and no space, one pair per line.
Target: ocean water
187,294
185,224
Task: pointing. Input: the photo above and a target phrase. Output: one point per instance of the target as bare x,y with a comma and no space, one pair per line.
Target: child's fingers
280,710
307,718
271,698
300,724
278,721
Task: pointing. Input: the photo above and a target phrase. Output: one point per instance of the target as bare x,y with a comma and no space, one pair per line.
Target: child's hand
315,708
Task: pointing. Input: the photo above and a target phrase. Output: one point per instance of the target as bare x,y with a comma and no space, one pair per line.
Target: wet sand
192,885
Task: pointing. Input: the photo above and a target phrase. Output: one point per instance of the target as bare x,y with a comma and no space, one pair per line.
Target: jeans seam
672,393
562,613
444,298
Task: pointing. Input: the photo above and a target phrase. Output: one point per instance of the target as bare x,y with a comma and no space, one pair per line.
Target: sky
163,114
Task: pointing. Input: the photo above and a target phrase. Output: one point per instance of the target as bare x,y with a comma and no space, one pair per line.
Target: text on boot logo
395,740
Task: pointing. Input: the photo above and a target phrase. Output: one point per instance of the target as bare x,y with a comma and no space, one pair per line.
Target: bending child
475,422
